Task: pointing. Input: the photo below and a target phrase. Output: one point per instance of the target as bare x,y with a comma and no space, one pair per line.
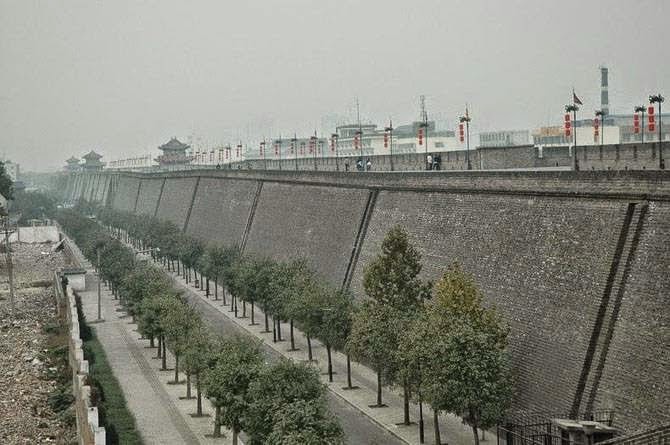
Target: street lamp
312,143
389,130
294,146
641,109
600,114
334,137
658,99
466,119
573,109
278,147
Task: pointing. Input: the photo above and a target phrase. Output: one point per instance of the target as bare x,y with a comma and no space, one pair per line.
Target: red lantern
652,126
596,123
567,117
386,140
420,136
332,144
650,111
461,132
237,151
568,132
276,149
260,148
356,141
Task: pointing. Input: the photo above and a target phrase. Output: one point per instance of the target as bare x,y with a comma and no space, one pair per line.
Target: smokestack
604,95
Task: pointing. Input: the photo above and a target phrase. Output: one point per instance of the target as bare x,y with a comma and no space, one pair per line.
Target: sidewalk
452,429
161,416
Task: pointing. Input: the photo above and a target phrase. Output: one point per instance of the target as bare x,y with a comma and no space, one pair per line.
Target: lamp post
334,137
641,109
278,147
466,119
265,165
600,115
573,109
294,145
312,144
658,99
389,130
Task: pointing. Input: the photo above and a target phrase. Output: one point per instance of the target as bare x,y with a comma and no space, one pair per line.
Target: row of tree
437,342
283,403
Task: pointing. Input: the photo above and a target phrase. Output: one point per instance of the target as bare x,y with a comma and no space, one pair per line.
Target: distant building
92,162
72,165
174,155
506,138
555,135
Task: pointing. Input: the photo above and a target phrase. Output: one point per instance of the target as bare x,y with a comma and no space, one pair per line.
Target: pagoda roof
173,145
73,160
91,155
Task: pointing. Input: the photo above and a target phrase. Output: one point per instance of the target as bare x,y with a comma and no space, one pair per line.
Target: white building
505,138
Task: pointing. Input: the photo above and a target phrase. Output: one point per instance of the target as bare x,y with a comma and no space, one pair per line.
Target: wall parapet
89,431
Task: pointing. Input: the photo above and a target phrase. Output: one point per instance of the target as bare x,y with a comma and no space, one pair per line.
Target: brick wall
221,210
125,195
176,200
635,377
543,262
314,222
147,200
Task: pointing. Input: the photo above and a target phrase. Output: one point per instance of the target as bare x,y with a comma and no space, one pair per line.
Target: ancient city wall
150,192
576,262
221,210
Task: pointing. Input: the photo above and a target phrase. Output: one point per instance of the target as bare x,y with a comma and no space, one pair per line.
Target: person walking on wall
346,165
429,162
368,165
359,165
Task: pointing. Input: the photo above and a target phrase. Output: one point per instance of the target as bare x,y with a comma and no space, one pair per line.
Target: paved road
359,429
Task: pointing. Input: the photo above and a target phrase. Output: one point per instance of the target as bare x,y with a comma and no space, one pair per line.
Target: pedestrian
429,162
368,165
438,162
346,165
359,164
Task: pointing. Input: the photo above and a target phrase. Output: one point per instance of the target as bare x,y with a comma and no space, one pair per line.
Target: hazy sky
122,77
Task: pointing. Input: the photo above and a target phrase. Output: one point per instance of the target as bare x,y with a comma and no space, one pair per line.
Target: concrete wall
35,234
315,222
221,210
147,200
176,200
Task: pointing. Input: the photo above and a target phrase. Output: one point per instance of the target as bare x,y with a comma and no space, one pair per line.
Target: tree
292,281
196,359
305,422
392,279
374,339
6,184
306,305
331,324
227,383
149,320
465,365
276,387
178,321
141,282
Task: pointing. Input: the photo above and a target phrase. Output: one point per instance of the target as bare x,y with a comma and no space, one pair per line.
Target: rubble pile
34,392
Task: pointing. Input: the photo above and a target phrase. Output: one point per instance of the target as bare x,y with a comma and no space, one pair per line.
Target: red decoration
237,151
596,123
568,132
276,149
332,144
461,132
636,118
652,126
650,111
567,117
386,140
260,148
420,136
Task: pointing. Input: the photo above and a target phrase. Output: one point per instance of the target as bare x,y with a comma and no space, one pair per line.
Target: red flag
575,99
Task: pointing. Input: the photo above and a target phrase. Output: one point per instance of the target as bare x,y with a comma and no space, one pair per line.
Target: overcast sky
122,77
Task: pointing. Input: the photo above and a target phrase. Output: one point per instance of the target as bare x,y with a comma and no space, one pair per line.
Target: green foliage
6,185
305,422
464,364
177,322
336,312
189,250
392,277
33,205
142,282
200,351
227,382
276,387
375,334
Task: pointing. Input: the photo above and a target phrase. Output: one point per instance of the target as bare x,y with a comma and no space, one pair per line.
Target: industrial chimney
604,95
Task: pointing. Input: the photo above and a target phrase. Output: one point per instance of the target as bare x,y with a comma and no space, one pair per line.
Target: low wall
89,430
35,234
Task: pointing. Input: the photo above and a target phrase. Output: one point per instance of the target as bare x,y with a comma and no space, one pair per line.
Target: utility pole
424,125
360,129
10,265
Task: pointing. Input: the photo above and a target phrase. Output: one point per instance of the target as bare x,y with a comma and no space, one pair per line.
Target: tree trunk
216,289
199,393
160,347
232,303
207,287
265,315
349,385
163,357
405,403
379,388
178,270
476,433
244,309
291,335
253,321
279,330
223,295
151,342
309,349
330,364
436,427
176,368
274,330
217,422
188,385
235,433
235,301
